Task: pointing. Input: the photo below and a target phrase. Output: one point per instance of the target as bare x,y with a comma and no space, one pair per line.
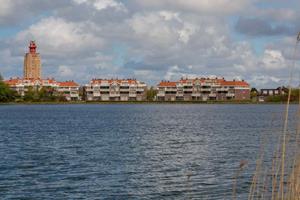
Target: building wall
242,94
203,90
115,90
32,66
70,90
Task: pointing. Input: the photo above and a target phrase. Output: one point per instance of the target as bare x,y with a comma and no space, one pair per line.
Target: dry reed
284,180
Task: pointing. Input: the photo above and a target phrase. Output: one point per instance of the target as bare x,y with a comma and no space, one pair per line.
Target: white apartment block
203,89
115,90
68,89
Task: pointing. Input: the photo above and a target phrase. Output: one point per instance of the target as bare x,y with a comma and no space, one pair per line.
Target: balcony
206,84
74,95
205,89
140,89
104,89
89,89
196,94
216,85
188,89
124,89
230,95
104,85
171,89
132,94
96,94
212,95
161,94
222,89
114,94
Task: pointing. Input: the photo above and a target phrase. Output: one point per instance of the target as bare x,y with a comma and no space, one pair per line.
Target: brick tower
32,63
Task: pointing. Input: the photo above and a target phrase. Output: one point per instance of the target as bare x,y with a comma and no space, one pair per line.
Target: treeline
6,94
45,94
283,98
32,95
279,98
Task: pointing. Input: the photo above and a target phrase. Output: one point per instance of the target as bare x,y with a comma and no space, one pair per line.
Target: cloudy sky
152,40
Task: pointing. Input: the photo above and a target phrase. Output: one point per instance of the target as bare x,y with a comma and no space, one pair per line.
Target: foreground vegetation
6,94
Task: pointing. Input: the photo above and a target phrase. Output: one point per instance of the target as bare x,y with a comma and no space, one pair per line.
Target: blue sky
152,40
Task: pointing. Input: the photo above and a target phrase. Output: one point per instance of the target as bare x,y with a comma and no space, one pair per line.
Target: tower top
32,47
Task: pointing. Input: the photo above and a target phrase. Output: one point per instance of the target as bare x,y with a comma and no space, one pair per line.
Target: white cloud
103,4
155,39
153,27
279,14
168,15
273,60
186,32
56,36
163,28
65,71
263,80
6,7
216,7
173,73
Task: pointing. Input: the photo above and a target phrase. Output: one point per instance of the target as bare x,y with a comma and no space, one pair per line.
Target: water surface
130,151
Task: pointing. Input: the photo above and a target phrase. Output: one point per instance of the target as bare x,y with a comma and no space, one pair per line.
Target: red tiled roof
110,81
68,84
234,83
51,81
12,82
167,84
222,82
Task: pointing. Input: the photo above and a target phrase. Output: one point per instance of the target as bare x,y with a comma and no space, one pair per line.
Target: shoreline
146,102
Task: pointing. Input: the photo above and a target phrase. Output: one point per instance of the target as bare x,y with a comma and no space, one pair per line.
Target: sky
153,40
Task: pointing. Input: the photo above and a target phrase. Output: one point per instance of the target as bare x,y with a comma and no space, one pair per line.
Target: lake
132,151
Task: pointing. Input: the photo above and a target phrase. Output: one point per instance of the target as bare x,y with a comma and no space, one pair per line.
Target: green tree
31,94
277,98
151,93
6,94
47,94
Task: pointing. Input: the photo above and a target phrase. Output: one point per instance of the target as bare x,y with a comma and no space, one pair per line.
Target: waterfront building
115,90
67,89
32,80
203,89
265,93
32,63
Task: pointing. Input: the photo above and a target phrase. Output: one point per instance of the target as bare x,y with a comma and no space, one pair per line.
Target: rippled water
130,151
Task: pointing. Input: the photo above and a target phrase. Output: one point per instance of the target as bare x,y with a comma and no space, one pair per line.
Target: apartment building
68,89
115,90
203,89
265,93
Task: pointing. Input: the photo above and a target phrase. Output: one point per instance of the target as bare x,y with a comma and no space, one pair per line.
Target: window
271,92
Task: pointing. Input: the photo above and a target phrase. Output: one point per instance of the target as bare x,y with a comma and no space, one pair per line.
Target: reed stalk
285,171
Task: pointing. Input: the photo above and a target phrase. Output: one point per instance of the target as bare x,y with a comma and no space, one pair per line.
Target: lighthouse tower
32,63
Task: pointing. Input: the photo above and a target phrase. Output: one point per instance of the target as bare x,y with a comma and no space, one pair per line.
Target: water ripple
130,151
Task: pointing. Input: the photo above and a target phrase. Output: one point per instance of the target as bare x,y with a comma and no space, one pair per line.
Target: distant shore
138,102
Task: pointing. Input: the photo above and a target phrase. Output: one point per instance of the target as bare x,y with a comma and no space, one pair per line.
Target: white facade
115,90
67,89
